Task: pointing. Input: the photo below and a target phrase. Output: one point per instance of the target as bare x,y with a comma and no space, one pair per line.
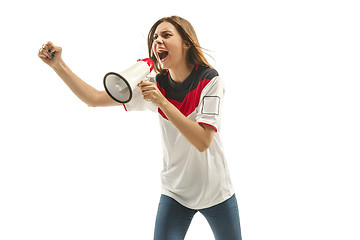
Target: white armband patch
210,105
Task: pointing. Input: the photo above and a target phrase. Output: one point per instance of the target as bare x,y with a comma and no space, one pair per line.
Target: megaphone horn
120,86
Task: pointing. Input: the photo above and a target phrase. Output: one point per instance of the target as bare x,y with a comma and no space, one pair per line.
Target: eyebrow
163,31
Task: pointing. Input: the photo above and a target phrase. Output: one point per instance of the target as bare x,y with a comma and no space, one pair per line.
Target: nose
158,40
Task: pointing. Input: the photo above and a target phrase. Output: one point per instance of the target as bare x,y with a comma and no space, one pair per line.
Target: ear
187,44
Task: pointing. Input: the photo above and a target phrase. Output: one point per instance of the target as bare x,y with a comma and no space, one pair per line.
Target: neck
180,73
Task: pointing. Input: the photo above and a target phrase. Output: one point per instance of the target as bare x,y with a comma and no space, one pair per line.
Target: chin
164,66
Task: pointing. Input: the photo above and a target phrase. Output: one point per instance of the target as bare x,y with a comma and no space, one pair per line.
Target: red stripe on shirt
191,101
208,125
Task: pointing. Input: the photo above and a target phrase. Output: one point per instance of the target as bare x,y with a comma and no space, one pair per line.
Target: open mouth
163,55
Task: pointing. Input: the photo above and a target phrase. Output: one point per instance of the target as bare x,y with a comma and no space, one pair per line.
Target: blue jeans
173,219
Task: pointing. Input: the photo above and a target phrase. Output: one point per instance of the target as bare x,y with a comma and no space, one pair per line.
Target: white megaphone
120,86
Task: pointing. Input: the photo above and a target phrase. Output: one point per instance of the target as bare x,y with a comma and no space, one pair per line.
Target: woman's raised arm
51,55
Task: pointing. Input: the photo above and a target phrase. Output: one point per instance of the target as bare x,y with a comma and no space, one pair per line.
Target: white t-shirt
195,179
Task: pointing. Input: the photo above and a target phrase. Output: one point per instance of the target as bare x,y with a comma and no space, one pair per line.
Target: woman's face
168,46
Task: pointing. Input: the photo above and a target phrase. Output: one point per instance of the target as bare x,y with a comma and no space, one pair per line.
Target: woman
187,93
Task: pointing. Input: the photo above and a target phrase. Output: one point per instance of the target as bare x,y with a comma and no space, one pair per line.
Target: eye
166,35
163,35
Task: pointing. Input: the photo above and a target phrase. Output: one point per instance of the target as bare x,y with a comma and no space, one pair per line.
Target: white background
290,122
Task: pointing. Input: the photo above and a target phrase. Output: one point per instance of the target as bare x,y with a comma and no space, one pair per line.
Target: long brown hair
187,32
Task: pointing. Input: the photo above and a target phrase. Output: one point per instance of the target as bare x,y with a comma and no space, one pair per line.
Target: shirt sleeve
210,105
137,102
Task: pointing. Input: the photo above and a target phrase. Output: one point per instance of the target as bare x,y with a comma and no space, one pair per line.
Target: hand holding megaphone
151,93
120,86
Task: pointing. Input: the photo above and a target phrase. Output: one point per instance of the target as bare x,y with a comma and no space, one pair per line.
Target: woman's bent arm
199,135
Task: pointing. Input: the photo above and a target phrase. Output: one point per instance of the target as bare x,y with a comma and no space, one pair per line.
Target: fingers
47,50
150,92
51,45
44,52
144,88
144,83
148,95
147,85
